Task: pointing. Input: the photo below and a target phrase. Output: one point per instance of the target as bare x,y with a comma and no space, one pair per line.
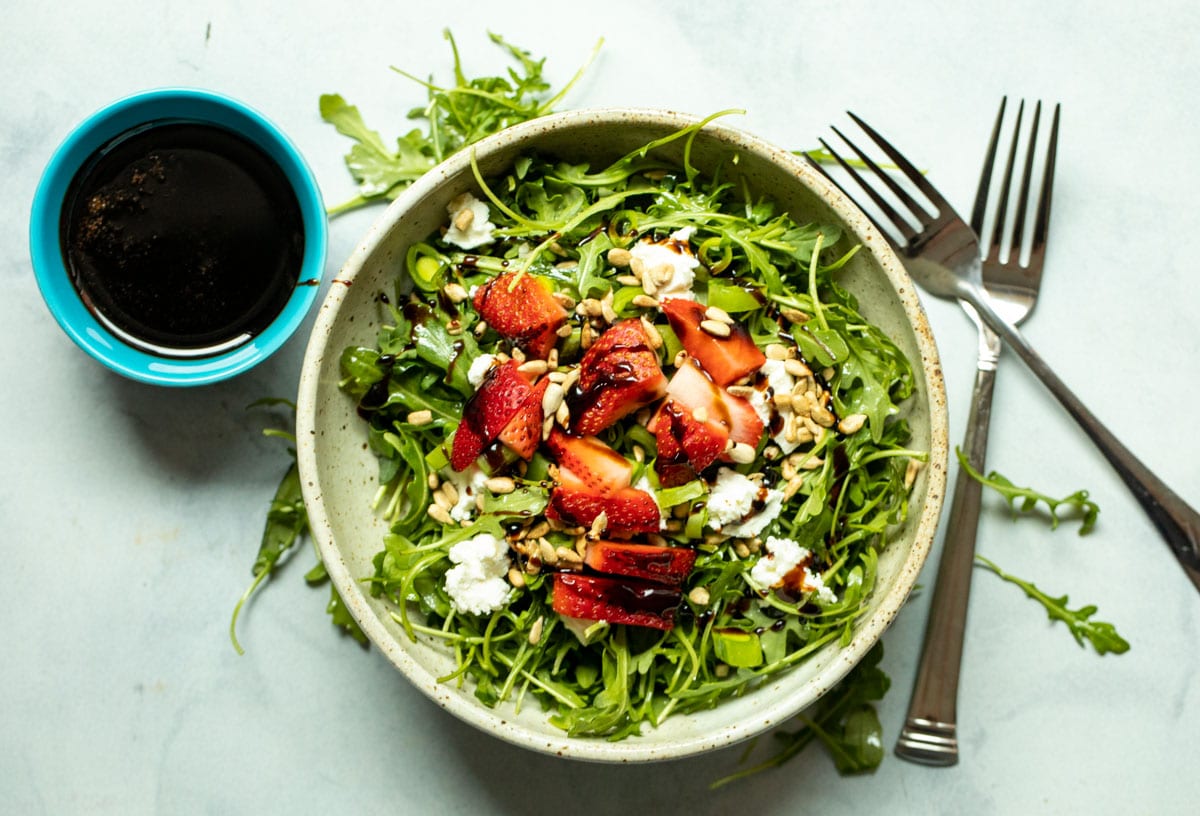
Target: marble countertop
131,514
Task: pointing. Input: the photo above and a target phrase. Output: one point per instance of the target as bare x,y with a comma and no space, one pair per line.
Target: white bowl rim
632,749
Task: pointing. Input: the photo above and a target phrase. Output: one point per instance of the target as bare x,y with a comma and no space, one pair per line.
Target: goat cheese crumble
469,483
674,253
731,505
478,583
479,369
780,557
778,382
470,224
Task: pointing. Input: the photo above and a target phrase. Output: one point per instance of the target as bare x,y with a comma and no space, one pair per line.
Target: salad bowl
340,473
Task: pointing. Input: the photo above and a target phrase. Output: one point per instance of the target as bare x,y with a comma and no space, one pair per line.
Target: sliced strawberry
618,374
725,359
501,394
692,390
686,445
616,600
629,511
467,446
524,431
667,565
593,464
745,425
521,308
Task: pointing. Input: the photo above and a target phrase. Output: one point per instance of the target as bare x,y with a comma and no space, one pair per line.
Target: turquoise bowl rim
50,270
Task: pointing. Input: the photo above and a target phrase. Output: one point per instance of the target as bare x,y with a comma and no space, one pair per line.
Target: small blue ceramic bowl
53,275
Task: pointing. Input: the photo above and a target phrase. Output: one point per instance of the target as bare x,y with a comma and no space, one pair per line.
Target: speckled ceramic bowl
338,472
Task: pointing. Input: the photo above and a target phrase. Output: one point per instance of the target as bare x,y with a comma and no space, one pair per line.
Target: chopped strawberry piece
501,394
629,511
524,431
745,425
667,565
467,446
618,374
686,445
725,359
725,417
521,308
616,600
593,464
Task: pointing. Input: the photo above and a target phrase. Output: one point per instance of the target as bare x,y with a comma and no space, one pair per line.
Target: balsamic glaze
184,239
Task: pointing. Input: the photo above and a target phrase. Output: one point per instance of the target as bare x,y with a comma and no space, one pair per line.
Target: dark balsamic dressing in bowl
184,239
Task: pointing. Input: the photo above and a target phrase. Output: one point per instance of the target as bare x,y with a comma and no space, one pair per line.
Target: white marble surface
130,515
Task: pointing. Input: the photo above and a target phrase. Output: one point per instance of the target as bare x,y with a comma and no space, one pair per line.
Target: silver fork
942,256
929,733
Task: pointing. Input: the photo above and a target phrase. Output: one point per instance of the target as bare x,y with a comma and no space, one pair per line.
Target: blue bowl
52,272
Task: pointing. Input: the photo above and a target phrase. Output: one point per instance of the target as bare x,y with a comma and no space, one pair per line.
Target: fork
943,257
929,733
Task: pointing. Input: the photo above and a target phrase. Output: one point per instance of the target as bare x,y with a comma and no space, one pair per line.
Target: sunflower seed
619,257
455,291
852,424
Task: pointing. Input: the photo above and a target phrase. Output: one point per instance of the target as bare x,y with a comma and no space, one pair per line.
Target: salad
637,448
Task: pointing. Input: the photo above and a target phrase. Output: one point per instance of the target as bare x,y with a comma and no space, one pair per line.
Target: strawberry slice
745,425
618,374
725,359
521,308
667,565
629,511
615,600
500,396
593,465
726,417
686,445
524,431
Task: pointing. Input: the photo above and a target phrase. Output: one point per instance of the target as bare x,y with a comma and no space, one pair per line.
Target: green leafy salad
637,448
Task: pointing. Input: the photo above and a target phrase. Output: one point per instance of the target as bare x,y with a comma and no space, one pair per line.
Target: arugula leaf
844,721
1025,499
1102,636
286,522
455,116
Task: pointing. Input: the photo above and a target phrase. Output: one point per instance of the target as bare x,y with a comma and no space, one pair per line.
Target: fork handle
1177,522
929,735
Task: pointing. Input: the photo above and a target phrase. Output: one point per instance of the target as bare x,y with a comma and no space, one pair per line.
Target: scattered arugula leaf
456,116
286,522
844,721
1025,499
1102,636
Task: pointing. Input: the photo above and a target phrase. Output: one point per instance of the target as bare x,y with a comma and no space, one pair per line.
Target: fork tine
1018,232
907,200
994,245
898,222
979,211
914,175
1042,222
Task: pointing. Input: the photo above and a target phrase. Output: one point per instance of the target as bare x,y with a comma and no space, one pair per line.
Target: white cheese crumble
732,497
478,583
480,368
469,483
674,253
781,556
813,582
476,233
778,382
731,505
